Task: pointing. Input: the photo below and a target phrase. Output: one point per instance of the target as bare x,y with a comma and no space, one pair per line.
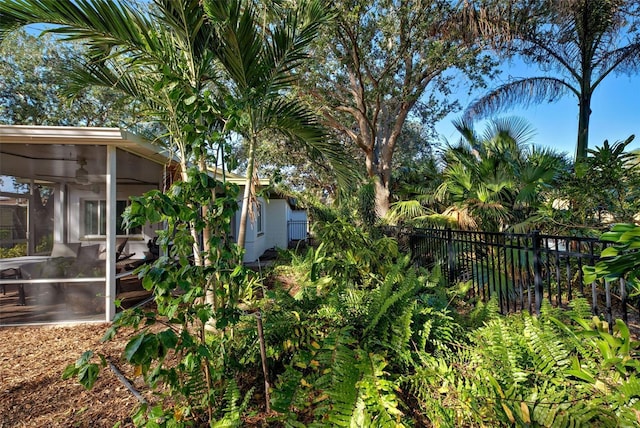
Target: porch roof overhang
240,180
92,136
70,135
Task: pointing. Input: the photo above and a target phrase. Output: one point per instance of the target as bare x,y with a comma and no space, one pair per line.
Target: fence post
537,269
451,265
623,297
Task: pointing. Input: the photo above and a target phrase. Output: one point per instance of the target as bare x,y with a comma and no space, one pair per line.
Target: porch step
130,298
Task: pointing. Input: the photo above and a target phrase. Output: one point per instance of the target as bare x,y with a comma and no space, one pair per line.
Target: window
95,219
259,219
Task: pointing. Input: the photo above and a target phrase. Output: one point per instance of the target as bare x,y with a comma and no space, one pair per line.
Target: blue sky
615,114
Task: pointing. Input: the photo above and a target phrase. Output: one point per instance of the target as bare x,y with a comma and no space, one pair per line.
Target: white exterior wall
298,215
277,213
254,243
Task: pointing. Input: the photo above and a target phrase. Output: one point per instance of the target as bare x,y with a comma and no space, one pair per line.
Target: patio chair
65,249
120,254
13,273
66,261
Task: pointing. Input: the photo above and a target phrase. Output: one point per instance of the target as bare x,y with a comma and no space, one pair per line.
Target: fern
580,308
393,310
193,383
377,394
629,390
438,329
573,340
347,386
484,312
354,304
573,413
401,333
233,411
549,311
396,290
339,379
547,348
288,392
628,401
501,345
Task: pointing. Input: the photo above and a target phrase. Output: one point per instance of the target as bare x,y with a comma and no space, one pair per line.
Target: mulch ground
33,393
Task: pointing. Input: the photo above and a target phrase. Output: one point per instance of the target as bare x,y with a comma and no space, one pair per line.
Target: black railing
519,270
297,230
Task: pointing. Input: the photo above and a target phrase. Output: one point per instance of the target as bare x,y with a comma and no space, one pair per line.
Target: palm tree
261,65
495,180
584,41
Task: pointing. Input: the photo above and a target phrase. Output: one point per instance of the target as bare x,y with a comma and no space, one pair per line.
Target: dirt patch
32,392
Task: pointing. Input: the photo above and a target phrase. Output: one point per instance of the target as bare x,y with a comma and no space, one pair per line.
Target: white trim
110,282
52,280
65,135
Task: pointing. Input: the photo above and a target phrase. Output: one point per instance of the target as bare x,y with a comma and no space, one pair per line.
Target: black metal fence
519,270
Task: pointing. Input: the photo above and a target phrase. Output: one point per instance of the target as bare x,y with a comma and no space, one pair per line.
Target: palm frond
464,125
623,60
434,220
296,121
514,128
241,49
102,24
461,216
405,210
101,74
524,92
291,40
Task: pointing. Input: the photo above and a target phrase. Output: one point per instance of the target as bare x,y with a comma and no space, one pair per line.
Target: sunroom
65,254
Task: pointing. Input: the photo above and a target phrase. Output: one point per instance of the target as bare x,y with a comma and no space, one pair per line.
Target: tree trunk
382,192
210,294
382,197
197,256
246,200
583,126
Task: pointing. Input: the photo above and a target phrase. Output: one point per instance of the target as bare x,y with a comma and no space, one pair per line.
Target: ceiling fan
81,175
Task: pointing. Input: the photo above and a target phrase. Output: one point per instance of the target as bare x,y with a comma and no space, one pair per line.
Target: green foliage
346,385
366,204
345,338
533,371
496,180
602,189
620,261
370,342
346,256
353,253
33,74
188,297
84,369
17,250
484,312
234,409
